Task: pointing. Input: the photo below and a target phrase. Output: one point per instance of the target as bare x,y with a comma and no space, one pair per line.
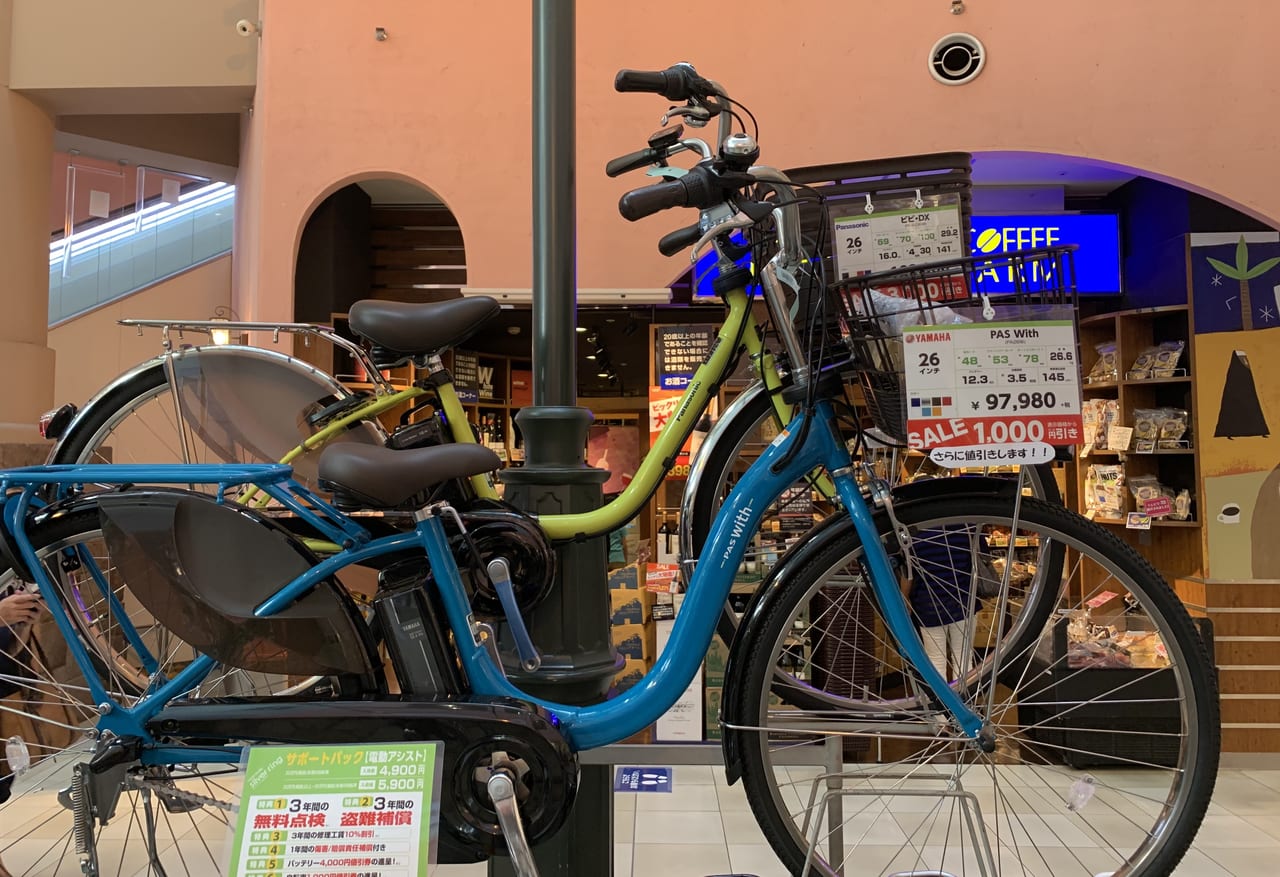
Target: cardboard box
630,606
628,577
635,641
717,660
631,673
712,718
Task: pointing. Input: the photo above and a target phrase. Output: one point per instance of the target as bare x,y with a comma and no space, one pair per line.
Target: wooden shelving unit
1175,548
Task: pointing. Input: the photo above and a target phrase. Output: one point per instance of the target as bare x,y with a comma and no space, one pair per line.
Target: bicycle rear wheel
47,713
1096,769
179,811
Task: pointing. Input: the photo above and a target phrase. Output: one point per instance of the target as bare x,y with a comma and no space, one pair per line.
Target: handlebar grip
675,241
654,81
639,203
632,161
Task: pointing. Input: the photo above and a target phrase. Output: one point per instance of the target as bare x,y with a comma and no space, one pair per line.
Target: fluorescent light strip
152,217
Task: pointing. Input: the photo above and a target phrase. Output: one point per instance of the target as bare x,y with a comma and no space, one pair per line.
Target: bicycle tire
187,805
1036,750
726,455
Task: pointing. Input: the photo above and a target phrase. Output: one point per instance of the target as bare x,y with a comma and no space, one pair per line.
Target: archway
383,236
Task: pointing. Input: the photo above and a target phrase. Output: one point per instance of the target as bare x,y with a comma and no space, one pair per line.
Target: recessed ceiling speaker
957,58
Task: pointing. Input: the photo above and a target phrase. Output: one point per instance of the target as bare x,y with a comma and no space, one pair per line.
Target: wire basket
866,314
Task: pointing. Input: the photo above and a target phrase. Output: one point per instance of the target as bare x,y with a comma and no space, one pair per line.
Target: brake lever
737,221
696,116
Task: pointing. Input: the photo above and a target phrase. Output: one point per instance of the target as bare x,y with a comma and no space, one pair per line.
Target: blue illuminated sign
705,271
1097,261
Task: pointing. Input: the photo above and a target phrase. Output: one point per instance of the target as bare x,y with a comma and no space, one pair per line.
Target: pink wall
1182,91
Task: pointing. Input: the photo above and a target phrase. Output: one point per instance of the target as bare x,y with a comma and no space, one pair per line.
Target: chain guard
473,731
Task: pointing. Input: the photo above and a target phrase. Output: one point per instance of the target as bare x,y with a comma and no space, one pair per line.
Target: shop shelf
1071,713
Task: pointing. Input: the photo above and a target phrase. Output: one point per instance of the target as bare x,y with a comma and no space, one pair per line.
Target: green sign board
368,810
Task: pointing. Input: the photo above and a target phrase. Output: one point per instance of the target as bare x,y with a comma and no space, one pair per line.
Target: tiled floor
704,827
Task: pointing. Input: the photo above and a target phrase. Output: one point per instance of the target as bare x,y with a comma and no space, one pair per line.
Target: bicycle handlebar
648,200
677,82
701,187
632,161
675,241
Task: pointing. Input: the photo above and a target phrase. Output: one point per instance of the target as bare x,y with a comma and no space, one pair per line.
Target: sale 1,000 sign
992,384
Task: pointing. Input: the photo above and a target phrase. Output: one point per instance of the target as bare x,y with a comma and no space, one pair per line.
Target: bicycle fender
247,360
831,529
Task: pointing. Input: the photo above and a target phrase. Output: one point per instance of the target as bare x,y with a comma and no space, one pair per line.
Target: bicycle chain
165,787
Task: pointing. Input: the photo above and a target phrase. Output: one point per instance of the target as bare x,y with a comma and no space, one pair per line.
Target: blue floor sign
642,779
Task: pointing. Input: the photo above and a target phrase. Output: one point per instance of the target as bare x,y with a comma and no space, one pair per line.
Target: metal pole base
571,627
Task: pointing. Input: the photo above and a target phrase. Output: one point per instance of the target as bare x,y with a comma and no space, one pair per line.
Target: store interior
331,240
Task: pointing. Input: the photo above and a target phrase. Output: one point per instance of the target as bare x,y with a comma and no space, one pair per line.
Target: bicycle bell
740,151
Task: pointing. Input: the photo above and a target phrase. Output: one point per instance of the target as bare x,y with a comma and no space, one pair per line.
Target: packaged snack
1146,428
1110,417
1173,426
1143,488
1158,361
1107,367
1091,414
1099,415
1143,365
1104,491
1167,359
1182,506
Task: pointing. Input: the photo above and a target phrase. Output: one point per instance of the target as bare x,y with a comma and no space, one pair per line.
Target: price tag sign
998,383
898,234
339,809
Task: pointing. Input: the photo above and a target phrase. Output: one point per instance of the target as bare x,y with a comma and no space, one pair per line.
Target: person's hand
19,609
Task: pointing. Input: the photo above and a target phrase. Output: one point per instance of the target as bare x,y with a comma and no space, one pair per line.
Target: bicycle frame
738,329
809,442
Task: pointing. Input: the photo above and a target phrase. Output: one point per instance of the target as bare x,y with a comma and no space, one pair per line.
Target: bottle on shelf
668,541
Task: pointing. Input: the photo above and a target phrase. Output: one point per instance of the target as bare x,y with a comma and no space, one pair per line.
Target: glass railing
124,255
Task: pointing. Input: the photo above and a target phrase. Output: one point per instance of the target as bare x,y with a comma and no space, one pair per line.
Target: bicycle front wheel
1106,726
800,507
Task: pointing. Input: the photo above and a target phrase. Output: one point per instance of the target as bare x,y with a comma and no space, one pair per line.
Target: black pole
555,267
571,627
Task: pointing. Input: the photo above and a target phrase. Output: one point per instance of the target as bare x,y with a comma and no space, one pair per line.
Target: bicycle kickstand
502,791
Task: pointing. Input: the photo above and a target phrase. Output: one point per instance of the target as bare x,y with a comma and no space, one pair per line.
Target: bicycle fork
894,606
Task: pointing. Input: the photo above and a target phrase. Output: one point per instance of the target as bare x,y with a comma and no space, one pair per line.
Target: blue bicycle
1050,739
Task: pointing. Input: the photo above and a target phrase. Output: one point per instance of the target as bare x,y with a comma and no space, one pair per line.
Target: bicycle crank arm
500,575
502,792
